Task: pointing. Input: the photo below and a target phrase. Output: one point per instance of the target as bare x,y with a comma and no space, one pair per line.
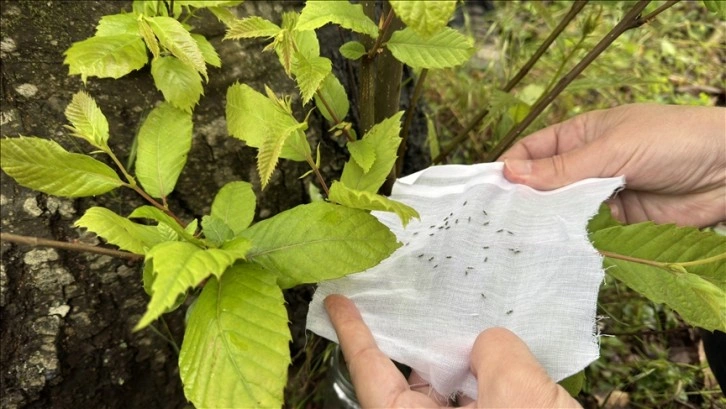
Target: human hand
673,159
507,373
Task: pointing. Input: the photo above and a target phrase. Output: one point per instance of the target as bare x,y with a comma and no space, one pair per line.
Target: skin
673,159
508,374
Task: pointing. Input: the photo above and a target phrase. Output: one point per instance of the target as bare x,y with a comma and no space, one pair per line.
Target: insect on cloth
485,253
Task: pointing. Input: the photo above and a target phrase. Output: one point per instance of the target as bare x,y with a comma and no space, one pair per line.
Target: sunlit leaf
310,71
87,120
447,48
115,24
106,57
335,97
251,27
208,52
175,38
424,17
180,83
352,50
358,199
120,231
343,13
296,244
235,352
43,165
235,204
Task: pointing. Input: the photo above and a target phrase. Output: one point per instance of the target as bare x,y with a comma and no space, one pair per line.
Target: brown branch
630,21
39,242
381,34
574,11
417,91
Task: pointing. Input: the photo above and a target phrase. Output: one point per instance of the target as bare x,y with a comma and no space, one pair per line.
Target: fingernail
519,167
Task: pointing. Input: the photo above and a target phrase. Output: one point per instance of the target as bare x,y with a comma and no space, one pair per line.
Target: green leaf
254,118
353,50
297,244
424,17
384,137
208,3
235,352
116,24
119,230
180,83
175,38
149,38
163,143
87,120
251,27
216,230
152,213
432,137
351,16
447,48
223,15
363,152
208,52
357,199
179,266
333,92
43,165
234,204
106,57
310,71
573,383
695,289
718,7
270,151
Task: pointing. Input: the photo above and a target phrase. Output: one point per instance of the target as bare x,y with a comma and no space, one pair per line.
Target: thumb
508,375
558,170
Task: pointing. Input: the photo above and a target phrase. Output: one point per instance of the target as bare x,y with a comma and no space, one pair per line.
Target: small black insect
500,230
456,221
509,312
432,226
485,212
485,259
431,259
470,268
485,224
431,234
483,296
510,232
441,227
436,265
415,233
451,214
469,219
448,256
465,202
420,255
485,247
448,227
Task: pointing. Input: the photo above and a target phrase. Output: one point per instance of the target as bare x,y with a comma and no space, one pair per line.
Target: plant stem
381,34
577,6
630,21
332,115
367,83
664,265
316,170
38,242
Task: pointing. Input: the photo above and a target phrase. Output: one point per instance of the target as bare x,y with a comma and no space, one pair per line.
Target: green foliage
351,16
382,141
447,48
716,7
45,166
175,38
573,383
178,266
87,120
681,267
352,50
234,205
179,82
310,73
107,56
120,231
153,213
163,143
292,244
251,27
235,352
357,199
333,93
424,17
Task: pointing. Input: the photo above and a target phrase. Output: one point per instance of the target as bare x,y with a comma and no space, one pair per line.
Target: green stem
316,170
332,115
574,10
702,261
73,246
664,265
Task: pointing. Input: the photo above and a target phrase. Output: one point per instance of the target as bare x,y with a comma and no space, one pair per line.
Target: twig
316,170
417,91
39,242
332,115
574,10
630,21
381,35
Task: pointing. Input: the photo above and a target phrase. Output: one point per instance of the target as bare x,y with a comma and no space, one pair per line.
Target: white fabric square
485,253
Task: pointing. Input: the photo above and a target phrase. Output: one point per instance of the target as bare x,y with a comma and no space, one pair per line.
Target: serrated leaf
208,52
163,144
167,232
149,38
358,199
296,244
363,152
106,57
180,83
424,17
353,50
697,292
216,230
225,16
116,24
175,38
332,91
191,228
384,137
87,120
253,117
235,352
269,153
343,13
310,71
43,165
447,48
152,213
179,266
152,8
235,204
119,230
251,27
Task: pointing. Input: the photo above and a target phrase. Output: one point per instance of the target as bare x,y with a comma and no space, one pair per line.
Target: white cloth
485,253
